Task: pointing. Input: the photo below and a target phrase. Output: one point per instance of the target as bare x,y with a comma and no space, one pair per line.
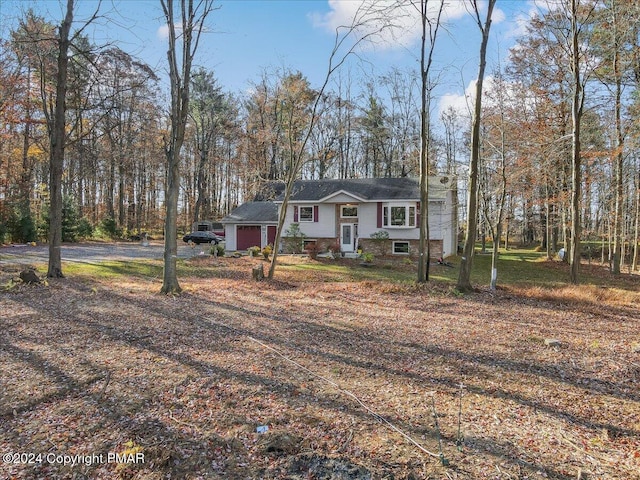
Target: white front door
348,233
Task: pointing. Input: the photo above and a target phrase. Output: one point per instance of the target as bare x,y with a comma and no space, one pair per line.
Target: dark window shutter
379,214
315,213
418,214
295,214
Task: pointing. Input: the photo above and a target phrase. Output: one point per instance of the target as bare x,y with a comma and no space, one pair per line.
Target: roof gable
342,196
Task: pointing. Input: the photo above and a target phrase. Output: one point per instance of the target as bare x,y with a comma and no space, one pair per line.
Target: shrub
334,247
109,228
3,230
254,251
312,250
380,235
85,228
26,228
71,221
217,250
294,239
266,251
380,240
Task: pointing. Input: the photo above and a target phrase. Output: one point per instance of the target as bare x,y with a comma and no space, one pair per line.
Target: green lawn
516,267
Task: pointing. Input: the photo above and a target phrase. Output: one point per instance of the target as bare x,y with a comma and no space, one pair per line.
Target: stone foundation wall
322,244
384,247
379,247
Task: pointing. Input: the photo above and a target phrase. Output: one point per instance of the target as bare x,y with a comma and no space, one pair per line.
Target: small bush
312,250
367,257
254,251
380,235
109,228
380,240
3,231
27,231
85,228
334,248
217,250
294,239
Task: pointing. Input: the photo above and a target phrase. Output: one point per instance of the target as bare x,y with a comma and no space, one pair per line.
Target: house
349,211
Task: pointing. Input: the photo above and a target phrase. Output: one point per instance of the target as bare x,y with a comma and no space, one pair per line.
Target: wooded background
114,174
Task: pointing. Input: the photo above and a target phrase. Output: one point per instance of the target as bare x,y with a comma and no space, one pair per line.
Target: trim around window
305,214
400,248
401,215
348,211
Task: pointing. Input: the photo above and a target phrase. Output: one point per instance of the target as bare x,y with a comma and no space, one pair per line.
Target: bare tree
578,15
429,34
464,277
57,140
186,31
296,154
58,137
495,173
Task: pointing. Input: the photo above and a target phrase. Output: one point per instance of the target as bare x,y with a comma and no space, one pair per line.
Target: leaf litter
307,378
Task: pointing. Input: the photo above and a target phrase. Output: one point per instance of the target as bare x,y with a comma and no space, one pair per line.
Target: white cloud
463,103
163,31
460,103
398,24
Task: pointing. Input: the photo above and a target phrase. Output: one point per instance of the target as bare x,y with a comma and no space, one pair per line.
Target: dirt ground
235,379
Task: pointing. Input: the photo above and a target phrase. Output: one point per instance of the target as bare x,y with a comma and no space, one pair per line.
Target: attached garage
252,224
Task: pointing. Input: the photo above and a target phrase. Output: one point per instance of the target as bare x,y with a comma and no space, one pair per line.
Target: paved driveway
95,252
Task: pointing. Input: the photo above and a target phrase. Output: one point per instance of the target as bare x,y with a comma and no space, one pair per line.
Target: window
399,216
306,214
401,248
309,243
349,211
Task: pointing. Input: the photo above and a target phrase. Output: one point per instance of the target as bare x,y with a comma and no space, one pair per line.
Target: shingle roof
254,212
370,189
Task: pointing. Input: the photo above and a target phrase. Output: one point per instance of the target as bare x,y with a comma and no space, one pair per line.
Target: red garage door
249,236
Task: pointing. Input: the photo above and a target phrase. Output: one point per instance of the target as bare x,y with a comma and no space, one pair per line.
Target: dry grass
104,364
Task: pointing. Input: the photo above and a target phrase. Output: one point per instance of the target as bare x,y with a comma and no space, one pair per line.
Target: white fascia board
342,192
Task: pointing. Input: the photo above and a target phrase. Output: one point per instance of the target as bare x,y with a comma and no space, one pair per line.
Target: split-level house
347,212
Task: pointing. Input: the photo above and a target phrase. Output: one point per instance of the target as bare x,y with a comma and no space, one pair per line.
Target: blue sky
249,36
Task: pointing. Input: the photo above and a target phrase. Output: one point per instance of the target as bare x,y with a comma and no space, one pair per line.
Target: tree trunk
170,276
424,246
190,28
495,252
634,264
619,163
576,177
57,143
464,277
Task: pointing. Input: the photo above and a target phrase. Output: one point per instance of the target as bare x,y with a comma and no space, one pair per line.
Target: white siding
450,225
230,241
367,219
324,228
